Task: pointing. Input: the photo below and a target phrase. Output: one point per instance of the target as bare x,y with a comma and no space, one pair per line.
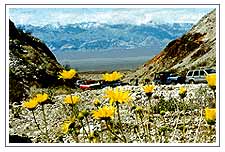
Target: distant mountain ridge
96,36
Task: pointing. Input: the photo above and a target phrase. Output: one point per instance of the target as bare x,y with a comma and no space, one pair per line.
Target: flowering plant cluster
33,102
117,115
67,74
117,95
210,112
112,77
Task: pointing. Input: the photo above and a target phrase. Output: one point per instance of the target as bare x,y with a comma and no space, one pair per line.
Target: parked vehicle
198,75
114,84
167,78
92,84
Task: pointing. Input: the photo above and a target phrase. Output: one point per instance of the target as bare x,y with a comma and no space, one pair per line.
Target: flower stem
149,112
101,132
149,106
84,131
214,104
143,128
89,129
120,124
44,116
35,120
75,137
175,128
110,130
137,126
197,131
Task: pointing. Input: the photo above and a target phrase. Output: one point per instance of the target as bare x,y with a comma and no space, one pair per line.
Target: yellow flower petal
41,97
149,88
31,104
67,74
117,95
112,77
65,127
211,79
210,114
182,90
104,113
67,123
71,99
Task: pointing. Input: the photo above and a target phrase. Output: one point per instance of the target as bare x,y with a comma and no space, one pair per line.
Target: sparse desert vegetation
125,114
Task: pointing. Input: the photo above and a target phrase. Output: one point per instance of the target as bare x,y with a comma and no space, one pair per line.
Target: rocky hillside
196,48
30,63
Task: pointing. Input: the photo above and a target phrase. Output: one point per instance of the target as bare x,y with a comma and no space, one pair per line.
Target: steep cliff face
30,63
196,48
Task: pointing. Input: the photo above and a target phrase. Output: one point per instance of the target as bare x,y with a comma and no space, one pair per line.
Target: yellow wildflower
104,113
211,79
41,98
117,95
71,99
67,124
182,92
31,104
112,77
65,127
210,115
149,88
67,74
97,102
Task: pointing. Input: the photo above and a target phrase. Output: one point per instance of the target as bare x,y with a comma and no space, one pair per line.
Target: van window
196,73
189,73
202,73
209,71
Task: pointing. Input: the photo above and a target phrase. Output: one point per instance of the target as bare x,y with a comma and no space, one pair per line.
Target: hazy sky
43,16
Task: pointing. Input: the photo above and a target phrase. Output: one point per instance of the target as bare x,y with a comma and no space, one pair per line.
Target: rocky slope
196,48
30,63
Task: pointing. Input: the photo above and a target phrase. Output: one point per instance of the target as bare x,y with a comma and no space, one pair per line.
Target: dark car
168,78
113,84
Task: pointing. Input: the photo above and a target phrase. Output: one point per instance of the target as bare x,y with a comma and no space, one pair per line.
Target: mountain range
98,36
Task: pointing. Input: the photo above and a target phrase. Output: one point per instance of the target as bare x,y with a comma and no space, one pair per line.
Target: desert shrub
164,105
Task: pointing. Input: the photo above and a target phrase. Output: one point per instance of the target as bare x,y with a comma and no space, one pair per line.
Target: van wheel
191,82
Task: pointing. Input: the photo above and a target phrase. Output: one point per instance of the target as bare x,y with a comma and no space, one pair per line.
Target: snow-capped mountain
99,36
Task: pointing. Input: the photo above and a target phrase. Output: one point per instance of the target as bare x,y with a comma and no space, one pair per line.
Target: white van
198,76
